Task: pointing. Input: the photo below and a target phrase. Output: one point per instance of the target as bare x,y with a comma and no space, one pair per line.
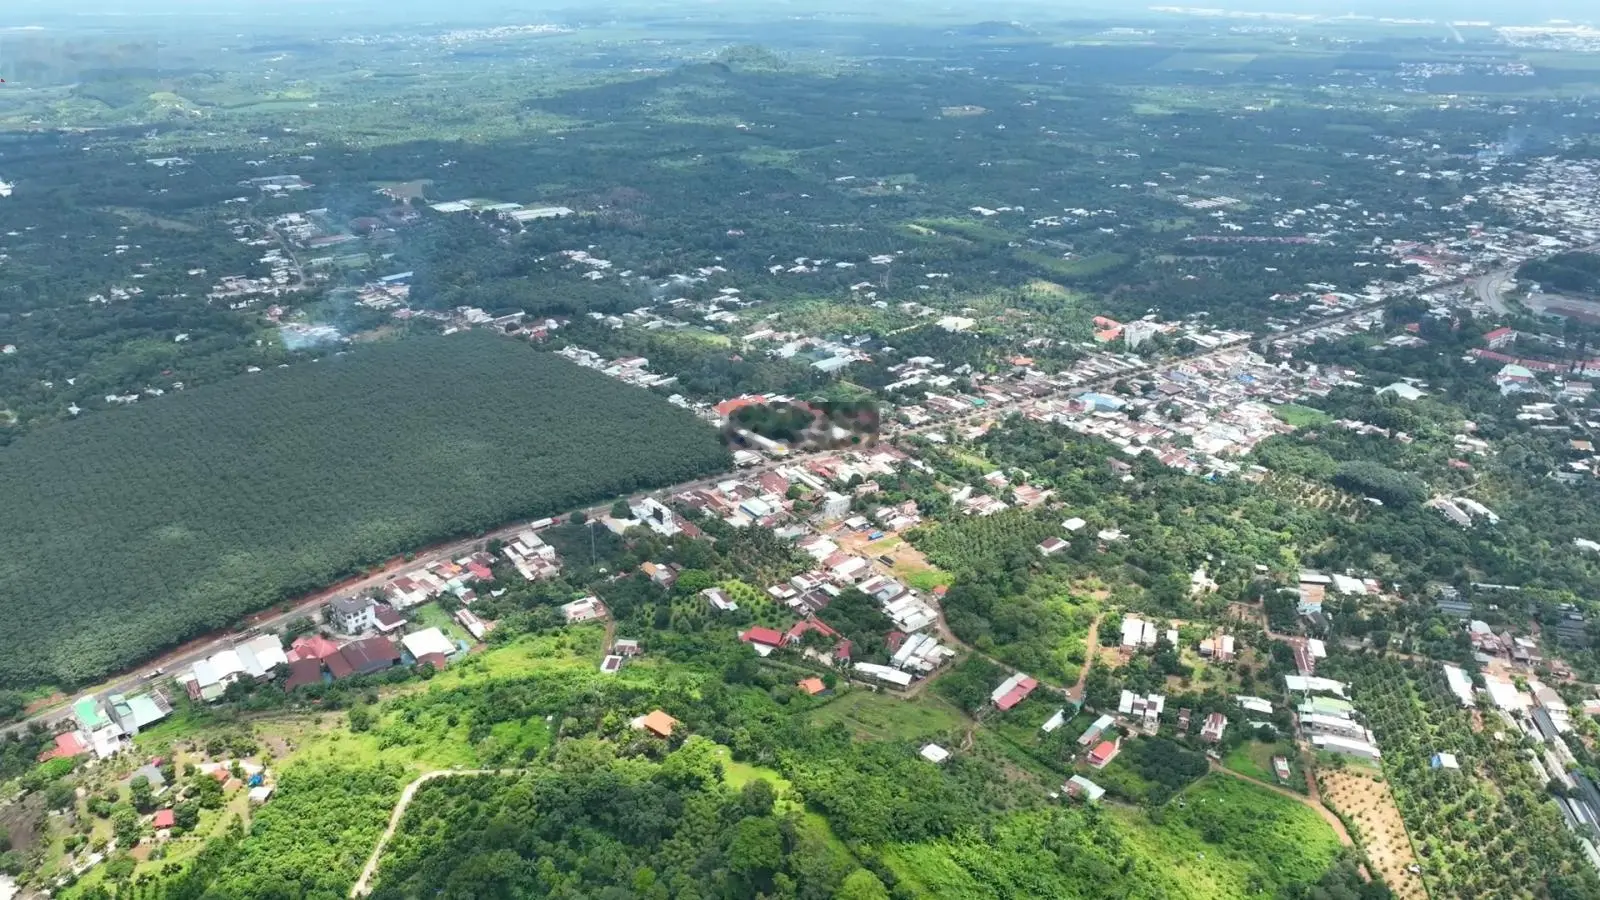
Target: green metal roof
88,712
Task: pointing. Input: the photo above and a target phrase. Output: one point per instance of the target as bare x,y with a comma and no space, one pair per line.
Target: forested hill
132,531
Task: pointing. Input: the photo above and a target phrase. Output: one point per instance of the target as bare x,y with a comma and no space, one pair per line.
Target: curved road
1326,813
363,884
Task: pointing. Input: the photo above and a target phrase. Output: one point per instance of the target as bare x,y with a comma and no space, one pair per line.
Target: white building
352,615
428,640
1336,744
835,505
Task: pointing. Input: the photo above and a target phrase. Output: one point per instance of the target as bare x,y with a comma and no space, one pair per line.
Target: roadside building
352,615
1012,691
370,655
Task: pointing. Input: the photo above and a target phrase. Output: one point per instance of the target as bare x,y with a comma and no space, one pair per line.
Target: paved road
363,884
1490,289
193,652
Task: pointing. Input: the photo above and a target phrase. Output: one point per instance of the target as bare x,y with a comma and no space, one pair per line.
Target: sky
22,12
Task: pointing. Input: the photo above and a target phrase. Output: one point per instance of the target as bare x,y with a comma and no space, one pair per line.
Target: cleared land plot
1254,758
1366,802
878,717
1227,839
178,516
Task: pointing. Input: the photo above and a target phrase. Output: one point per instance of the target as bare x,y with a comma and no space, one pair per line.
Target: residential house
139,711
935,754
369,655
303,672
1218,648
586,610
763,639
311,646
657,723
386,618
1081,788
1095,730
352,615
1216,723
1012,691
719,600
261,656
1104,753
1333,743
428,641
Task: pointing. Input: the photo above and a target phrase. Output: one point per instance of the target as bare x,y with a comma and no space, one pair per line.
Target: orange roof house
657,723
812,685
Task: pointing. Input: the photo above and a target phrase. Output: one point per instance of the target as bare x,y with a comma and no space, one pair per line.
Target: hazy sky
300,12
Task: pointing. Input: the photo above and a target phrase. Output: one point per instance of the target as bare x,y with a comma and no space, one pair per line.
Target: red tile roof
480,571
436,659
799,629
314,646
726,407
1102,753
303,672
164,818
762,635
338,667
1017,694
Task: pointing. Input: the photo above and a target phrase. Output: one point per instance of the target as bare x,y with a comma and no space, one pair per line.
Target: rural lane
363,884
1326,813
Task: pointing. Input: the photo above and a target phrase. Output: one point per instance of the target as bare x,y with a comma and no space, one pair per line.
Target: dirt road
1091,650
363,884
1326,813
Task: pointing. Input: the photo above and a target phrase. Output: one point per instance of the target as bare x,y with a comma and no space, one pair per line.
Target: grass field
430,614
1072,269
1222,839
1254,758
1302,416
872,716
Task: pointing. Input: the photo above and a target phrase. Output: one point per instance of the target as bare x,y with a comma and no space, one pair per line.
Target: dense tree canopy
170,519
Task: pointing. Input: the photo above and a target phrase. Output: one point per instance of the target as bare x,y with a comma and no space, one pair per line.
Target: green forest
133,531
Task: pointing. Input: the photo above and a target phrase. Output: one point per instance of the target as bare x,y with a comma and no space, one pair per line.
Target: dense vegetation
173,518
1576,272
591,826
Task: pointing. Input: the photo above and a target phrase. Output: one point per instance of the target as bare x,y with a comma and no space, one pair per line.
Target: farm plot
1367,804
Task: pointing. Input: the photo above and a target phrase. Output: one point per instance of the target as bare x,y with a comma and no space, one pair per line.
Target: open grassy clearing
1254,758
1302,416
1221,838
880,717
